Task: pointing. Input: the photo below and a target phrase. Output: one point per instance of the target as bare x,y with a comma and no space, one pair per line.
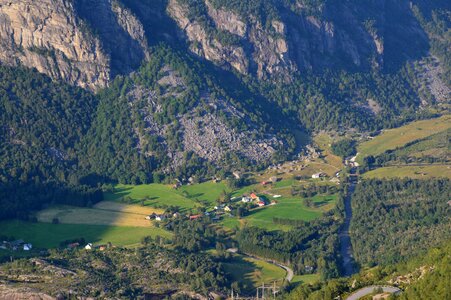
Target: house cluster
16,245
162,217
90,246
253,198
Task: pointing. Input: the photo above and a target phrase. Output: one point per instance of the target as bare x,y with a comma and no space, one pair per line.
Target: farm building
318,175
255,197
88,246
228,208
160,217
194,217
27,247
261,203
246,199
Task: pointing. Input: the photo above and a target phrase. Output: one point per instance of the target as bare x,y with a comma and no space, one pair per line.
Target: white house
318,175
246,199
159,218
27,247
88,246
227,208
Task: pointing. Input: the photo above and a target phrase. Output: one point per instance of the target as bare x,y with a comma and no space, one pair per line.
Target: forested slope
396,219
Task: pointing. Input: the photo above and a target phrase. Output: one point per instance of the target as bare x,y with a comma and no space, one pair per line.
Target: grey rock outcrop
47,35
59,38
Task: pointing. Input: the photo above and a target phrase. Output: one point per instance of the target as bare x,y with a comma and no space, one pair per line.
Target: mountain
144,91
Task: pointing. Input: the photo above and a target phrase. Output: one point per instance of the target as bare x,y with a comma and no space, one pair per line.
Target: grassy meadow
160,195
47,235
288,208
398,137
305,279
415,172
253,272
292,208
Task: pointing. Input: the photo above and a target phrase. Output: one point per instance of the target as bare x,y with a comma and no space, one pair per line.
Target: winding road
370,289
343,234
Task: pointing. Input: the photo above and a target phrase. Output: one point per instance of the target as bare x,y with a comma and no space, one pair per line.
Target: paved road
370,289
345,241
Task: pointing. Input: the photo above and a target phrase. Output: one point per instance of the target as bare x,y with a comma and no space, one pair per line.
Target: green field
305,279
398,137
416,172
46,235
207,192
436,145
252,272
160,195
288,208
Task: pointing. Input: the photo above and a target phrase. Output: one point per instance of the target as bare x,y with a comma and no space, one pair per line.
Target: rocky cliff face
54,37
47,35
345,35
88,42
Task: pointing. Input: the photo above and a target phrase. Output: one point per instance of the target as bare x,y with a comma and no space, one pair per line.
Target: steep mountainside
85,43
275,38
196,88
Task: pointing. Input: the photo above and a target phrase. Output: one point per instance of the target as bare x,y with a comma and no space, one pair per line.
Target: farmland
104,213
287,208
120,224
292,208
159,195
47,235
416,172
398,137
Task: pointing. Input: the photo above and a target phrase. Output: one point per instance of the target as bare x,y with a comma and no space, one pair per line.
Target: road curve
370,289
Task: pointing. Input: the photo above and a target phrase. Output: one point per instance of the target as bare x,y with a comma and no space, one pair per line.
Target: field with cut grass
398,137
46,235
416,172
92,216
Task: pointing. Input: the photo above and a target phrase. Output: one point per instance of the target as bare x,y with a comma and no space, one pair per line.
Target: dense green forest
311,247
42,121
433,284
397,219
